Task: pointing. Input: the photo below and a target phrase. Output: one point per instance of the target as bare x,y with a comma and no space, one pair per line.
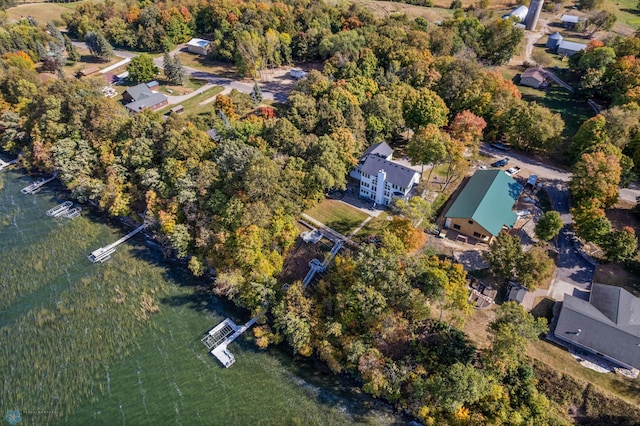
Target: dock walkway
35,186
4,164
104,253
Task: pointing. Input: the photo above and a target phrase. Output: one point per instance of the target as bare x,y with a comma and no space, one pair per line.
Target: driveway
574,273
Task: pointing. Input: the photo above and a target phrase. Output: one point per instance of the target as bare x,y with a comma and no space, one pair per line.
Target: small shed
569,21
198,45
516,292
569,48
88,71
533,77
554,41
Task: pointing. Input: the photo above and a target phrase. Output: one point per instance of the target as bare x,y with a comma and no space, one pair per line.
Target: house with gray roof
381,150
153,102
569,21
136,93
533,77
607,325
381,180
484,207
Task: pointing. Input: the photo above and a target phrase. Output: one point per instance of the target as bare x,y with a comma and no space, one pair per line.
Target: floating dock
104,253
60,209
73,213
217,339
4,164
35,186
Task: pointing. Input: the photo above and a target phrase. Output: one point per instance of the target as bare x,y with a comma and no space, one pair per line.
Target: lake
119,342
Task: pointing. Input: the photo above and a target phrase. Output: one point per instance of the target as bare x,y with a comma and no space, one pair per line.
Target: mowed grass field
41,12
337,215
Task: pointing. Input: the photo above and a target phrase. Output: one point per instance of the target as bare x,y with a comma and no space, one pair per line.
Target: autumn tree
467,128
590,221
620,246
504,256
141,68
428,146
534,267
548,226
596,177
532,126
424,107
294,319
512,330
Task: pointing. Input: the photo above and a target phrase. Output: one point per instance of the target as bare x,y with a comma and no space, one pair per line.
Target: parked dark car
501,147
500,163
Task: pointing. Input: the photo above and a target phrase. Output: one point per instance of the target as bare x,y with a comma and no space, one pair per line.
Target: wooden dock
104,253
217,339
35,186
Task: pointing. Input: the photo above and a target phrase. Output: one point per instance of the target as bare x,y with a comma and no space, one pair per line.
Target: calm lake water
157,372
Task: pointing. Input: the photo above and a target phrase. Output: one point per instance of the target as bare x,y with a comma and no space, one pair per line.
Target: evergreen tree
173,70
72,52
256,94
55,33
98,45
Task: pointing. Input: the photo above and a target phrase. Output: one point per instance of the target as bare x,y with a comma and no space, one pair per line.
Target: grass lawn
626,11
192,105
87,61
558,100
40,12
337,215
561,360
189,86
198,62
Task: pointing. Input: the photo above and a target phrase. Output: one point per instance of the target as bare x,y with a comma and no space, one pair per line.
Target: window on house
456,226
476,234
470,222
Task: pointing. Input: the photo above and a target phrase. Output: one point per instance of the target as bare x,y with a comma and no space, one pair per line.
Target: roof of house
396,174
152,84
146,102
556,36
488,199
570,45
570,19
198,42
609,323
139,92
534,72
380,149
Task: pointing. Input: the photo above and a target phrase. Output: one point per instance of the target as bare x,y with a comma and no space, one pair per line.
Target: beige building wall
470,228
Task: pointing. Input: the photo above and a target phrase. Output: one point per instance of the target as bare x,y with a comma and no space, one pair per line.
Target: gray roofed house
533,77
569,48
380,149
607,325
153,102
397,174
516,293
136,93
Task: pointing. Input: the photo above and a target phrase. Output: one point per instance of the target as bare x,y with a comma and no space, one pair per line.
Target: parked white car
513,171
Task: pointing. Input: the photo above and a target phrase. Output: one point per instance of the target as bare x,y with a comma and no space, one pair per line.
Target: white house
381,178
198,45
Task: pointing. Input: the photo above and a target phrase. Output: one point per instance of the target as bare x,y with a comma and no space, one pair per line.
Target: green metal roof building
485,204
